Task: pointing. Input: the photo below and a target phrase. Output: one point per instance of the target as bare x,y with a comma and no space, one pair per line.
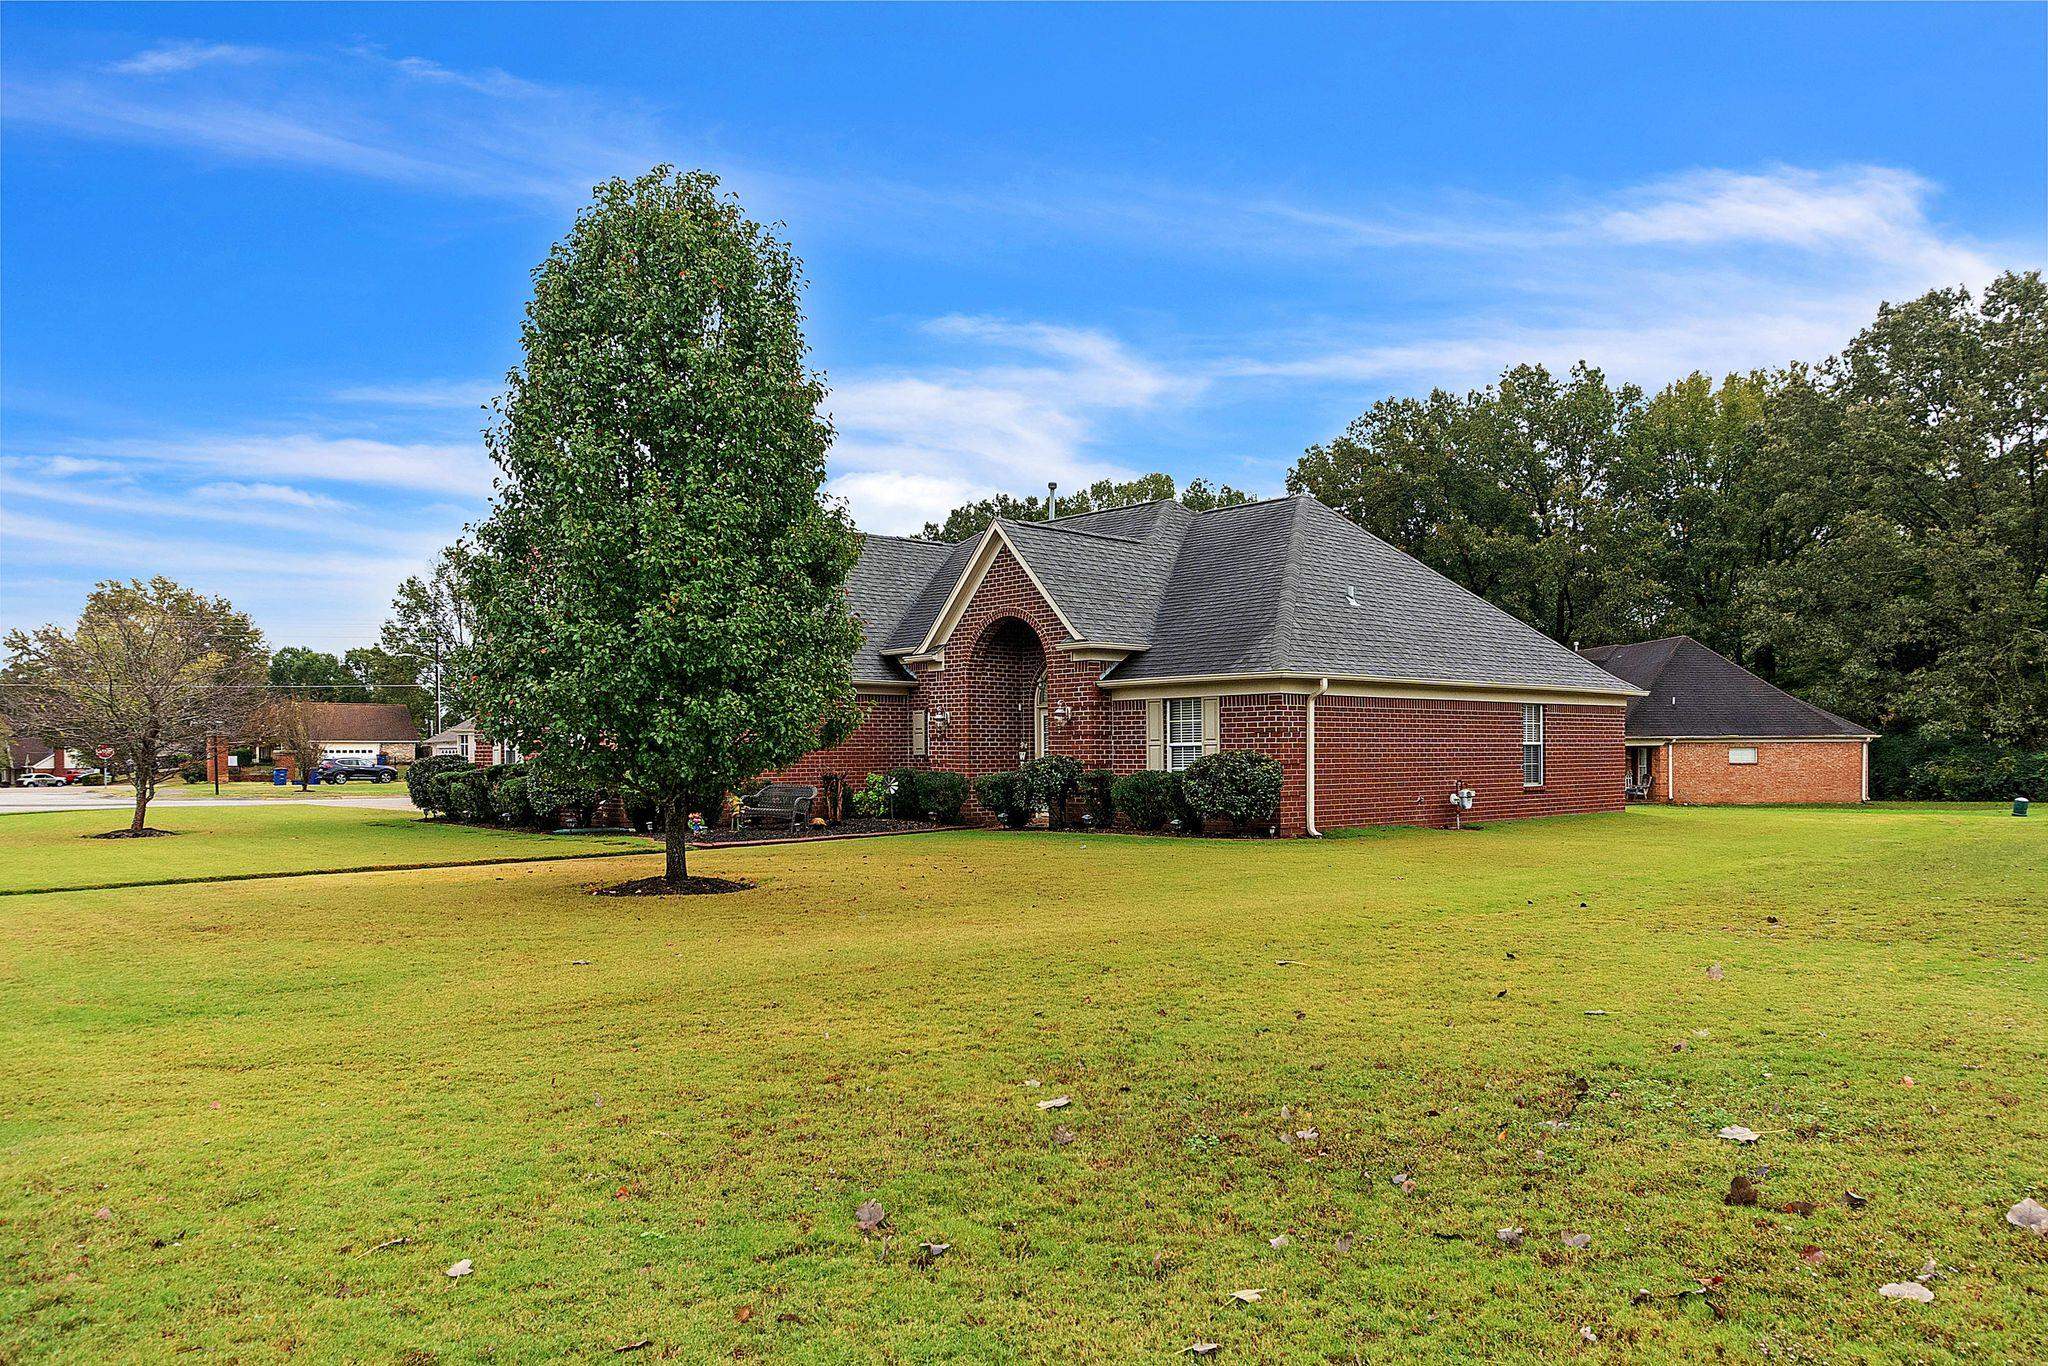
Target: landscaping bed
771,834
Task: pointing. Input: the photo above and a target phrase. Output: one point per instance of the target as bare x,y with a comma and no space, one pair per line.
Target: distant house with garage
1709,732
348,732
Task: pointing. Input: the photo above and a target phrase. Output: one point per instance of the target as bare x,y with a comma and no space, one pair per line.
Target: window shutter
1155,734
1212,726
918,733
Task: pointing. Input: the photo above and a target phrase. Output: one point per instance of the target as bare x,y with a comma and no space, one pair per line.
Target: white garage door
355,754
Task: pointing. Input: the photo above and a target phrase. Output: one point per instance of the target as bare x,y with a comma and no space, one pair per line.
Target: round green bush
1237,785
1053,780
441,790
941,795
469,796
1145,799
420,777
1006,796
508,801
1098,805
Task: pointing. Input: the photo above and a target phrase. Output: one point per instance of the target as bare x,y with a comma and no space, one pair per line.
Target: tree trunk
675,825
141,810
145,788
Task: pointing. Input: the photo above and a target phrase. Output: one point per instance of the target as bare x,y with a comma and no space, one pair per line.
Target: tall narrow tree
658,596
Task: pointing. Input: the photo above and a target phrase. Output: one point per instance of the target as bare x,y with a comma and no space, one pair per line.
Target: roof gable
1698,692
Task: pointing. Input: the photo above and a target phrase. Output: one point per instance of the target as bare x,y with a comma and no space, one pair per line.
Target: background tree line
1870,532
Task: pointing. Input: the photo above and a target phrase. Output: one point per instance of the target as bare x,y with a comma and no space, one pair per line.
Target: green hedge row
1921,768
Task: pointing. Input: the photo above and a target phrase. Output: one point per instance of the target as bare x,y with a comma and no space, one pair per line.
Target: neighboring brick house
465,739
1711,733
1148,636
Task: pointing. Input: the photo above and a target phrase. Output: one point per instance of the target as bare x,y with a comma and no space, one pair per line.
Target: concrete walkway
17,800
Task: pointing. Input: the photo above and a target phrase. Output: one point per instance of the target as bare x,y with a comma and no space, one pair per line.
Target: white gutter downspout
1670,773
1321,688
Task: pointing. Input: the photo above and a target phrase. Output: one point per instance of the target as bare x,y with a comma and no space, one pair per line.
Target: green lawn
654,1119
48,850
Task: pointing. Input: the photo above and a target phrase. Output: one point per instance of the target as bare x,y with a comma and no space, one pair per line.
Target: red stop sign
104,752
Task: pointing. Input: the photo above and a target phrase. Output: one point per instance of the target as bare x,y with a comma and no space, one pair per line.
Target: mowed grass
652,1120
49,850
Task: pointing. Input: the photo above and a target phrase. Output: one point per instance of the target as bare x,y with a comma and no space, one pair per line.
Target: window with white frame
1744,755
1532,744
1183,732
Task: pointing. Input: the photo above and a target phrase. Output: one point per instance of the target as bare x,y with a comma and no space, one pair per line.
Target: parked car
351,770
40,780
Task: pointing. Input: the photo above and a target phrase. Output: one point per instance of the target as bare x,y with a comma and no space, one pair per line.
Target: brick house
1147,636
1711,733
463,738
355,732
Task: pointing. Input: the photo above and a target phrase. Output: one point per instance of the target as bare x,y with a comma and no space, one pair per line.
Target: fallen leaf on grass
1853,1200
1246,1296
870,1216
460,1269
1714,973
1906,1290
579,962
1056,1103
1308,1135
1201,1349
2031,1215
1596,1012
1812,1255
633,1346
1509,1237
1802,1208
1577,1239
1062,1136
1741,1191
743,1313
1343,1243
102,1213
927,1253
1736,1133
1588,1336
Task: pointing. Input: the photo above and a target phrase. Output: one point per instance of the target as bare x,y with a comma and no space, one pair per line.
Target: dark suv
350,770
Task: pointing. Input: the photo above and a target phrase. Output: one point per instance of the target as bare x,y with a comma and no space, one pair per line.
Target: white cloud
913,443
423,467
168,59
422,394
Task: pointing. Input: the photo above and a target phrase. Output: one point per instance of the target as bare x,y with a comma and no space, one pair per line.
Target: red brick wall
1007,592
879,743
1784,771
1395,761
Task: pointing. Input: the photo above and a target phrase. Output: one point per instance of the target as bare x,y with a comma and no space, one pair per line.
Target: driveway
16,800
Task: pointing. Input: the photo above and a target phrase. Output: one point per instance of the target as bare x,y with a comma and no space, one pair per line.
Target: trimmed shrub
1007,796
1145,799
508,802
469,796
192,771
871,798
1053,780
550,799
1187,820
441,791
419,778
941,794
1237,785
1098,803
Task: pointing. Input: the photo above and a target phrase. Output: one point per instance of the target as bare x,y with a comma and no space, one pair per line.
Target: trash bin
2019,806
279,777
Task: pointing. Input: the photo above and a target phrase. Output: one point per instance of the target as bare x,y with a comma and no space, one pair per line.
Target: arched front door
1038,750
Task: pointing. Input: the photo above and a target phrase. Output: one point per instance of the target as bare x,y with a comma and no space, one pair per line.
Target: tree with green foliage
971,519
658,595
429,625
314,674
149,666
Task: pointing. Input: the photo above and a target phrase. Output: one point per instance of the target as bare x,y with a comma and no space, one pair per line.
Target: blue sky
259,266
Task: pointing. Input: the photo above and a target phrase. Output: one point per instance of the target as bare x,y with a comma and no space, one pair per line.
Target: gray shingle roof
1280,587
1695,691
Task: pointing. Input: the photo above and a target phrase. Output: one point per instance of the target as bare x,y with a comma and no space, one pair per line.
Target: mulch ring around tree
661,886
769,834
145,833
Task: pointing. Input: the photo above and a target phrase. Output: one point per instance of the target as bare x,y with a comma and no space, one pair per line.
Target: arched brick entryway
1007,662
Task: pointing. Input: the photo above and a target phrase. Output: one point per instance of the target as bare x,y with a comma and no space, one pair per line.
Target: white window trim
1750,750
1180,713
1532,723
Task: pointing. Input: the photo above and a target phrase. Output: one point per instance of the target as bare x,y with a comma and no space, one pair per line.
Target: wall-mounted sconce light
939,718
1063,713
